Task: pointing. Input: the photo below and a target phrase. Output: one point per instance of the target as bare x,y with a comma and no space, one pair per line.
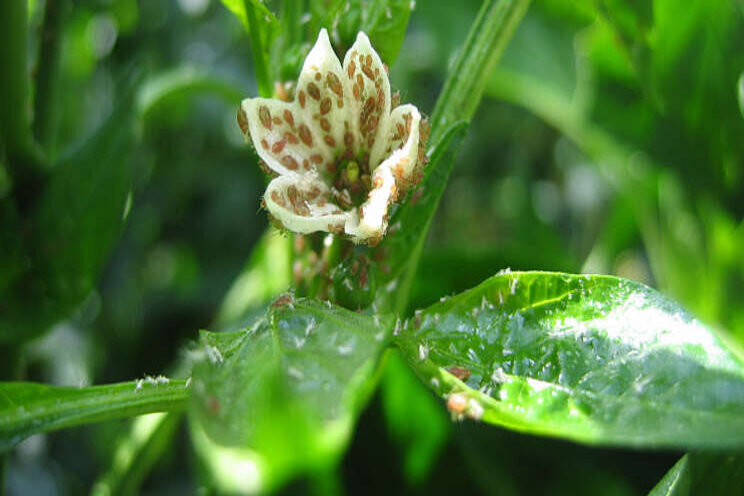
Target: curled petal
305,205
374,212
367,92
281,136
394,175
402,152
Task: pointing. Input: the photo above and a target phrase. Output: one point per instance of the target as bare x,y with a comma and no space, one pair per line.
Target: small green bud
352,172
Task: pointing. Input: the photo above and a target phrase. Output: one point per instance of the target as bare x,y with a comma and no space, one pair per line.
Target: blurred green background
610,140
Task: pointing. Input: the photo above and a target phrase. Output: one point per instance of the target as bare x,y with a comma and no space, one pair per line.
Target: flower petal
402,152
393,176
320,97
305,205
280,135
368,97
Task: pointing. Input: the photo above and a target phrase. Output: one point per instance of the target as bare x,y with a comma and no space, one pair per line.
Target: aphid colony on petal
341,156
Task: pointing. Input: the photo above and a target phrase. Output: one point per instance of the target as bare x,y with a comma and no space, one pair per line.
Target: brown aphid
278,146
395,99
313,91
351,69
291,138
369,105
380,99
281,92
242,120
264,116
329,140
285,300
278,199
334,83
289,162
301,98
266,169
289,118
316,159
461,373
368,72
305,135
325,106
336,228
325,124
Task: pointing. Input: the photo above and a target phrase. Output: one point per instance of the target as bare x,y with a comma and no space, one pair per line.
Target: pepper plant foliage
320,320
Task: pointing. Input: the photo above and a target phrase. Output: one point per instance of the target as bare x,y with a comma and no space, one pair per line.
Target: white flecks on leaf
213,354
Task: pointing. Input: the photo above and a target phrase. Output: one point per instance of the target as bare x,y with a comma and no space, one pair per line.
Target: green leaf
385,23
595,359
701,473
76,223
28,408
286,392
185,81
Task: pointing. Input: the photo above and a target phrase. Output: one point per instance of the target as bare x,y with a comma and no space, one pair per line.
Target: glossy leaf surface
595,359
701,473
290,387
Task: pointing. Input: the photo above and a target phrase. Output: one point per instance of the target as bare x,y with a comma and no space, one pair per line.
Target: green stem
47,74
30,408
24,160
291,14
463,89
259,59
14,81
25,163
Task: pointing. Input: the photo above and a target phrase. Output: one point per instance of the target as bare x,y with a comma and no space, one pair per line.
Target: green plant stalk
263,81
14,82
463,89
51,408
462,92
291,14
45,96
137,453
24,161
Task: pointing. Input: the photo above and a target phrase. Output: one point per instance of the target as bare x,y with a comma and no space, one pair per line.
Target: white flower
341,154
